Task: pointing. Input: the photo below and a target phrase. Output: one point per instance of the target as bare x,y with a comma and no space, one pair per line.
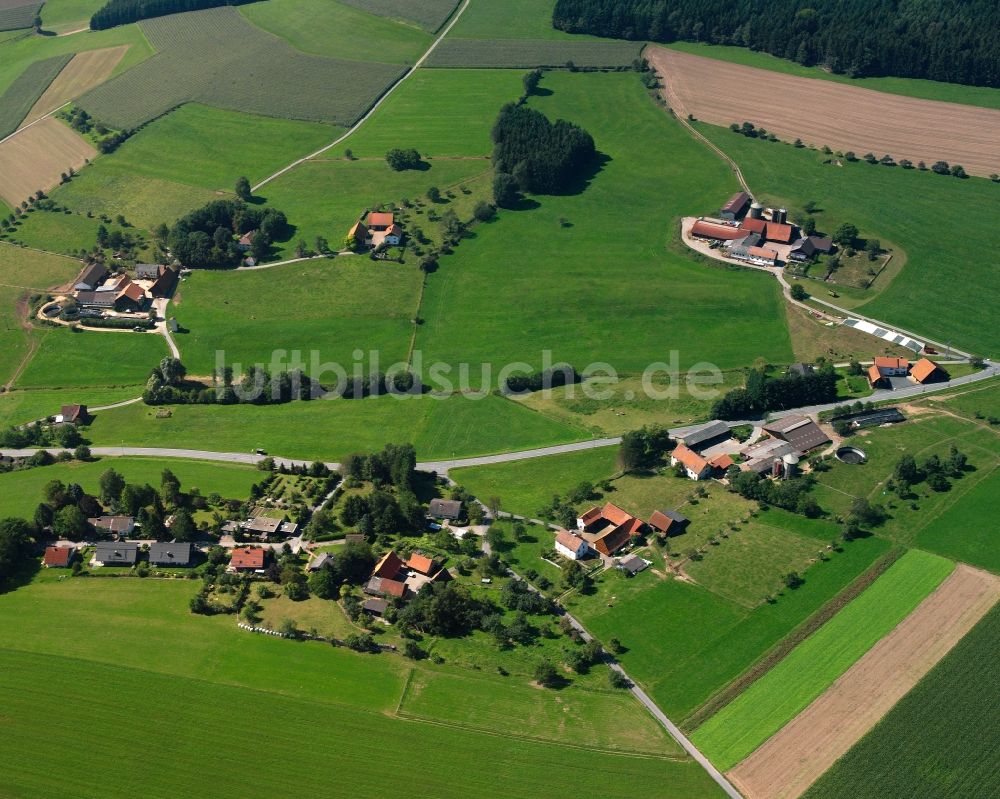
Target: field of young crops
23,93
253,72
428,14
940,741
15,15
518,54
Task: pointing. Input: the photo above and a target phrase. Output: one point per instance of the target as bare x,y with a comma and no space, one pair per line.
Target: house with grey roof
115,553
450,509
170,554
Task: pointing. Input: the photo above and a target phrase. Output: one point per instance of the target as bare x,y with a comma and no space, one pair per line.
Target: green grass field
440,113
23,93
965,530
332,307
427,14
74,637
57,231
20,492
983,96
923,201
939,741
336,30
332,429
685,643
532,53
513,19
603,286
66,15
776,698
88,359
19,407
274,79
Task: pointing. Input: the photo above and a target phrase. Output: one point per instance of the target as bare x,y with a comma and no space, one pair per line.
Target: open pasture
257,73
846,117
21,407
512,19
427,14
17,101
83,72
336,30
939,741
331,429
809,669
62,16
590,275
685,643
16,14
21,491
966,530
785,766
331,307
34,158
531,53
922,201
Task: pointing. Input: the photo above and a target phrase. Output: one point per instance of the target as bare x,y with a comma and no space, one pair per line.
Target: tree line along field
430,15
21,491
939,741
531,53
948,272
258,73
603,247
23,93
330,28
158,648
772,701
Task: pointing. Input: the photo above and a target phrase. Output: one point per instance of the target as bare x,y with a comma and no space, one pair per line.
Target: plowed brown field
795,757
34,158
824,113
80,75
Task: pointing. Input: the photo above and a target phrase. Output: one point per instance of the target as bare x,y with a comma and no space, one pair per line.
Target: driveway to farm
378,103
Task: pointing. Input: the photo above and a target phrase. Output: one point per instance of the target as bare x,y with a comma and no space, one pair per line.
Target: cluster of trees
937,472
936,39
398,159
445,609
792,495
16,548
376,384
764,393
536,381
644,448
204,238
392,506
532,154
122,12
36,434
395,465
167,386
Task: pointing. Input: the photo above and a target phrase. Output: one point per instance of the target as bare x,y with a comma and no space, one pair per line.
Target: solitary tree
243,189
799,292
845,234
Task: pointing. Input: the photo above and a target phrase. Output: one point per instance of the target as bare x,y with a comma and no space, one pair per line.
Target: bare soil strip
35,157
80,75
795,757
825,113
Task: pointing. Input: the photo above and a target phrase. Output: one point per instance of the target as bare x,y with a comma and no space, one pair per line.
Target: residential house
170,554
703,229
389,566
73,414
376,607
90,277
891,366
380,222
131,299
384,586
701,436
875,378
246,241
58,557
695,466
808,247
147,271
632,565
735,205
448,509
926,371
116,554
607,529
799,430
247,559
571,546
761,256
319,562
421,564
263,527
118,526
668,522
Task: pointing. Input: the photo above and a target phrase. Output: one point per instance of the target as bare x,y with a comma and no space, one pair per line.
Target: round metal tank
782,215
756,211
790,464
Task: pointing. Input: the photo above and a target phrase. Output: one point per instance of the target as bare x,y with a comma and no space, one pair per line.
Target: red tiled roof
888,362
247,558
392,587
420,563
247,238
133,292
591,515
71,413
380,219
617,537
735,203
616,515
57,556
358,230
723,461
389,566
691,459
778,231
710,230
923,369
874,375
569,540
763,252
751,225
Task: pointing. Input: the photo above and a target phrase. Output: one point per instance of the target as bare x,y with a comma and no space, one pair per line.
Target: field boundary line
404,692
32,124
375,106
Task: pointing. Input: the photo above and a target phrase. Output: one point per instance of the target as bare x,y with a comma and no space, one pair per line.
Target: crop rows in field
14,14
23,93
941,740
218,58
428,14
527,54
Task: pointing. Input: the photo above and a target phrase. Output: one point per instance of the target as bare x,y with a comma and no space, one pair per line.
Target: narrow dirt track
821,112
795,757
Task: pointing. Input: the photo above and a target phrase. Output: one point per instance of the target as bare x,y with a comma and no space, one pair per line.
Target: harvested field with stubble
841,117
794,758
84,72
527,54
35,158
255,72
